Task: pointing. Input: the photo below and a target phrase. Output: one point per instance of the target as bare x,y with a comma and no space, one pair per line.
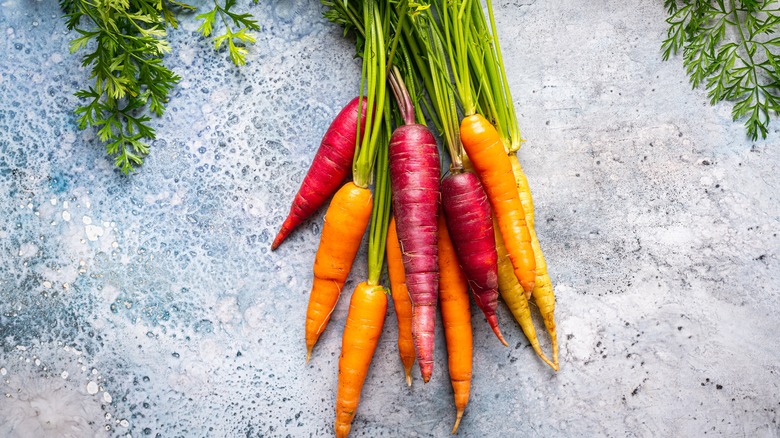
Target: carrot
474,74
331,165
414,178
543,290
401,301
456,318
365,320
345,223
514,296
368,305
486,151
468,218
477,39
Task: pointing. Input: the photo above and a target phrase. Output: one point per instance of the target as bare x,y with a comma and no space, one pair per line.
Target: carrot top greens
125,43
243,23
455,17
489,76
373,78
436,77
728,46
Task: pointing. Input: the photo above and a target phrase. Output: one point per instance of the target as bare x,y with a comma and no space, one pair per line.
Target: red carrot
470,223
331,165
414,177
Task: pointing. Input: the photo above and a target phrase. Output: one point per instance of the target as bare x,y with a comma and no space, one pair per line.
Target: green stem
744,41
376,90
417,99
511,121
224,19
485,72
361,102
436,75
456,35
397,37
346,9
380,215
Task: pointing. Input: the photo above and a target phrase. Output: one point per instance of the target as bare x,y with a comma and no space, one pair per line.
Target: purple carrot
331,165
414,178
467,211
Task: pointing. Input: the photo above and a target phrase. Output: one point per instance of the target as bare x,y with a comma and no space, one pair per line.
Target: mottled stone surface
150,305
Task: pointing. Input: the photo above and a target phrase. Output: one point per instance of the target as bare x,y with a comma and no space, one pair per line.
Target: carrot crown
402,98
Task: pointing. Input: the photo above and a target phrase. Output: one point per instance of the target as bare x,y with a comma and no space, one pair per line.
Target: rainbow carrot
331,165
456,318
401,301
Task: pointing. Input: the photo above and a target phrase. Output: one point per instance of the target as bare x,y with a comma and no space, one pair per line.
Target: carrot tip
283,233
426,371
457,422
493,321
342,430
408,379
546,360
308,354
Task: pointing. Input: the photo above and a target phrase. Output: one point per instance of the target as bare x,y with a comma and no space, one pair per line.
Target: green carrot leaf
729,47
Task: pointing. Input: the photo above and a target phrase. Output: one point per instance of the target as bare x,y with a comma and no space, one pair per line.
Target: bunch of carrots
443,235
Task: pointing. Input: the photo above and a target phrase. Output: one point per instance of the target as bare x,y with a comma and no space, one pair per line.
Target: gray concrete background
150,305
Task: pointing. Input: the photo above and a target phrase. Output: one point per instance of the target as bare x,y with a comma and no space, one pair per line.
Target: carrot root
456,318
543,291
468,218
424,317
457,421
486,152
514,297
330,166
493,321
401,301
414,177
345,223
366,317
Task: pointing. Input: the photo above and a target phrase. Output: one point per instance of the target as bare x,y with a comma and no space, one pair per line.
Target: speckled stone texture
150,305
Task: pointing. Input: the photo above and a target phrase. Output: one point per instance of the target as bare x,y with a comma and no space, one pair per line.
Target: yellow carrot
543,291
514,296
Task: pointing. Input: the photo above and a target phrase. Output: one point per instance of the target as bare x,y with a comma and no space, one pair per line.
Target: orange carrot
486,151
366,317
456,317
401,300
345,223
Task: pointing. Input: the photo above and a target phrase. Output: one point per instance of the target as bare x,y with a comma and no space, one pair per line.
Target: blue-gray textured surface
150,305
